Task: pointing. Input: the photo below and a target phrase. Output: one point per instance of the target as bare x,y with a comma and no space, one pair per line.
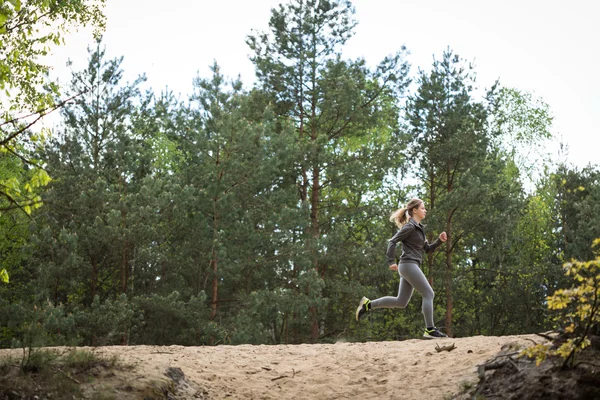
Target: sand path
410,369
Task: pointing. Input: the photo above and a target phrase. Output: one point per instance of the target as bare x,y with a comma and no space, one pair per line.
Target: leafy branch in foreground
20,175
579,309
28,32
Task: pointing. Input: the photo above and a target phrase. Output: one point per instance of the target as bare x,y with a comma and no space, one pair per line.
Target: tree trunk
448,281
124,241
314,220
56,284
315,193
94,280
213,256
124,262
286,337
430,274
477,303
430,271
303,199
215,288
215,291
449,266
215,281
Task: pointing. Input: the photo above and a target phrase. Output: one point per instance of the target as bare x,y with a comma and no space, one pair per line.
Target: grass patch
51,374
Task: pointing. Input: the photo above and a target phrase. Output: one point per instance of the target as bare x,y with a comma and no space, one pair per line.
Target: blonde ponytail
400,217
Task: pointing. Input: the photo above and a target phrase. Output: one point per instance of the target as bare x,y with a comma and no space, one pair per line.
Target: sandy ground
411,369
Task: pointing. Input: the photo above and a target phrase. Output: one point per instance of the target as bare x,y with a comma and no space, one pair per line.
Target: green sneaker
433,333
363,307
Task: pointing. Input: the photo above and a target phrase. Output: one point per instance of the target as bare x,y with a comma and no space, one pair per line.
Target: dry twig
445,348
546,336
69,376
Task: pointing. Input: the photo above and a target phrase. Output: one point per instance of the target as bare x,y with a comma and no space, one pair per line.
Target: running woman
412,235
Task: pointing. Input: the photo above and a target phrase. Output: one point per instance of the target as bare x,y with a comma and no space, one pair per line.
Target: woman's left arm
431,247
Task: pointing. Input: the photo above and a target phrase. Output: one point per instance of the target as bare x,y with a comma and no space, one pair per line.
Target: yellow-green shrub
578,308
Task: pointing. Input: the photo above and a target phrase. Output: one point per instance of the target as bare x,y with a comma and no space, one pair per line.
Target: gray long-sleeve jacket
413,241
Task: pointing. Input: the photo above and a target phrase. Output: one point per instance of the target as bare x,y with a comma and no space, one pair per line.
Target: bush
578,310
107,323
170,320
35,325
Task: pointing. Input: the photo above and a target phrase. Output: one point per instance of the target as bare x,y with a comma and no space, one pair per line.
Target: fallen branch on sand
444,348
285,376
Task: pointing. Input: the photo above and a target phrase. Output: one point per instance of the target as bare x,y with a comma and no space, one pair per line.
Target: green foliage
170,320
28,32
93,193
20,182
578,310
576,204
345,120
520,123
107,323
31,326
265,320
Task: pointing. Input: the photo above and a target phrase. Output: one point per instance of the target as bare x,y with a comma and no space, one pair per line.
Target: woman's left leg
413,274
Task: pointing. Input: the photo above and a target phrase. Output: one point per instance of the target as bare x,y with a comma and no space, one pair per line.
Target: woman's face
419,212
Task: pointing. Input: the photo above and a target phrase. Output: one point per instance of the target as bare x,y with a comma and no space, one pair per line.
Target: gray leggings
411,277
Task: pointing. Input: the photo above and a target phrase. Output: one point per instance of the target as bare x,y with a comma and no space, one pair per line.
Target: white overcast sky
550,48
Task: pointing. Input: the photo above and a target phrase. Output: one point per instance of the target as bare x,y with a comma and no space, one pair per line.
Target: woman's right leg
405,291
411,278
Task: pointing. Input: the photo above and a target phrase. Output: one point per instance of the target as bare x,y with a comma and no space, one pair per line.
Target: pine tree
450,144
87,244
344,115
234,165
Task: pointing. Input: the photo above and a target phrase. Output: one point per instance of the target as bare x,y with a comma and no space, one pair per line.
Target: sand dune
411,369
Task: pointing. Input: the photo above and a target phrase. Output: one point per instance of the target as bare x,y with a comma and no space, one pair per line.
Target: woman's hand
443,236
394,267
